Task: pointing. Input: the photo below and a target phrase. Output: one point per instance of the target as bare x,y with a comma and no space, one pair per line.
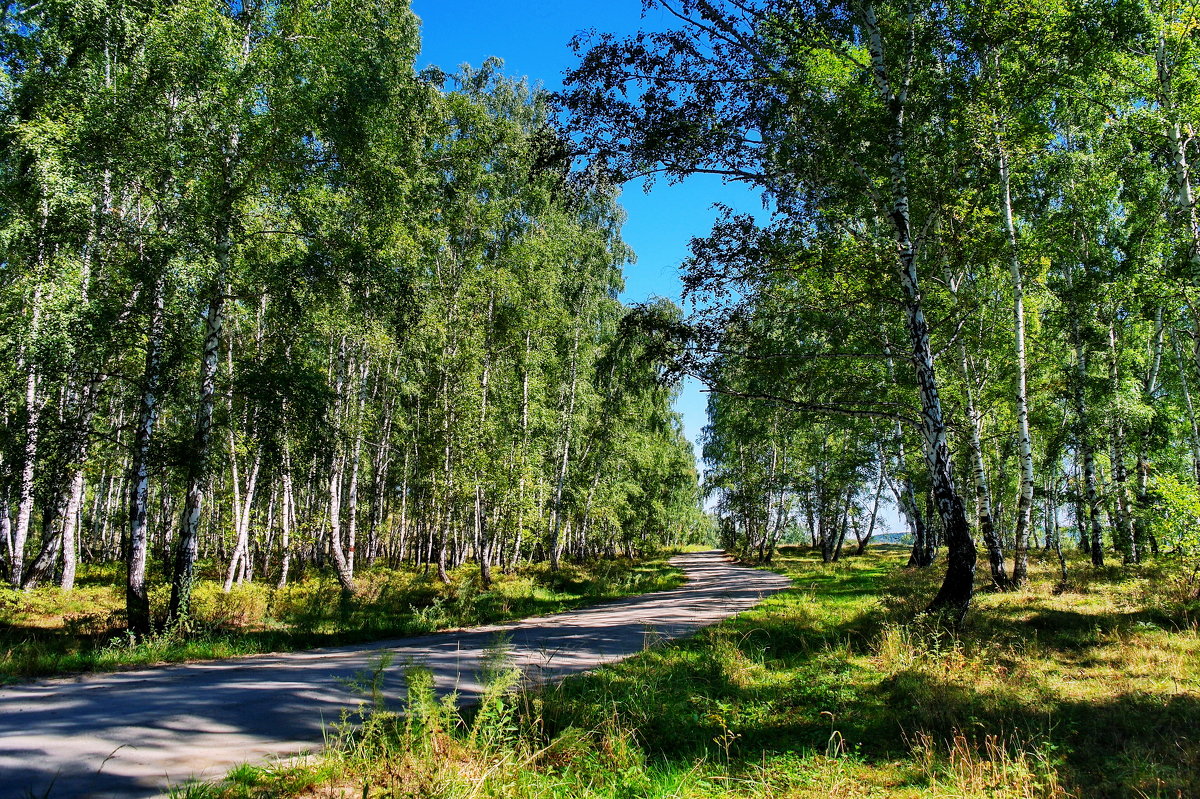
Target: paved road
135,733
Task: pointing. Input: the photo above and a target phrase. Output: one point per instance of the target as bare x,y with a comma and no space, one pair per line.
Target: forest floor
835,688
48,631
136,733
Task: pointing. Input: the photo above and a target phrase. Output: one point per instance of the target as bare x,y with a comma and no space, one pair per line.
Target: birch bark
137,601
186,544
957,587
1024,440
29,447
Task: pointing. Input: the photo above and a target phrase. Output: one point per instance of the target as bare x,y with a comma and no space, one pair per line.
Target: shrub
244,606
10,603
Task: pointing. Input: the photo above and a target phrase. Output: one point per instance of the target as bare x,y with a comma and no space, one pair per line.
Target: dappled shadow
682,708
1126,745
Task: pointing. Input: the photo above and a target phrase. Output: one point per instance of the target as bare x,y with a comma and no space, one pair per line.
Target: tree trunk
1193,423
29,447
1083,441
70,543
555,544
341,565
865,540
137,601
1024,441
187,543
1142,535
242,511
1177,144
983,494
287,517
52,534
954,595
1120,474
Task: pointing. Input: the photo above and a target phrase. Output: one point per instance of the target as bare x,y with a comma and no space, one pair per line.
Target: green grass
834,688
49,631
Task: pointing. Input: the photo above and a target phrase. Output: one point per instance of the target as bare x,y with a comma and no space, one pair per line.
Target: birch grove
979,240
280,304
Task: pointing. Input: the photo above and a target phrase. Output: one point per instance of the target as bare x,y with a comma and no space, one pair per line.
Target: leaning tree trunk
958,586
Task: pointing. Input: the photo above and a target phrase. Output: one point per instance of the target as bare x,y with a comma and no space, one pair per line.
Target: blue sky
532,37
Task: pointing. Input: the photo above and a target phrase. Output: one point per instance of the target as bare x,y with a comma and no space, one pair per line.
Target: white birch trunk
186,545
555,543
1120,475
1193,422
1024,440
287,517
29,448
1082,438
341,567
70,543
137,601
957,587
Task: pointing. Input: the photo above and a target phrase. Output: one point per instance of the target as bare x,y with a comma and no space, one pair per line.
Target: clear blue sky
532,38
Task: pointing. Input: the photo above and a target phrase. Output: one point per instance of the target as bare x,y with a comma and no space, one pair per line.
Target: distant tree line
275,300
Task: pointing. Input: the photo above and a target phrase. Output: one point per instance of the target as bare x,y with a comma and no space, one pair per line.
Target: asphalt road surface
137,733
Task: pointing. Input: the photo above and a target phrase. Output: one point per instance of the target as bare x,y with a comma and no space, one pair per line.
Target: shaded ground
135,733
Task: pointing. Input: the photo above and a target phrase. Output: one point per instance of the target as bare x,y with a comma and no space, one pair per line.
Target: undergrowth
49,631
836,688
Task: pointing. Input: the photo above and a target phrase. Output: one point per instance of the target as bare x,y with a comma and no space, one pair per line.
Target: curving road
135,733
